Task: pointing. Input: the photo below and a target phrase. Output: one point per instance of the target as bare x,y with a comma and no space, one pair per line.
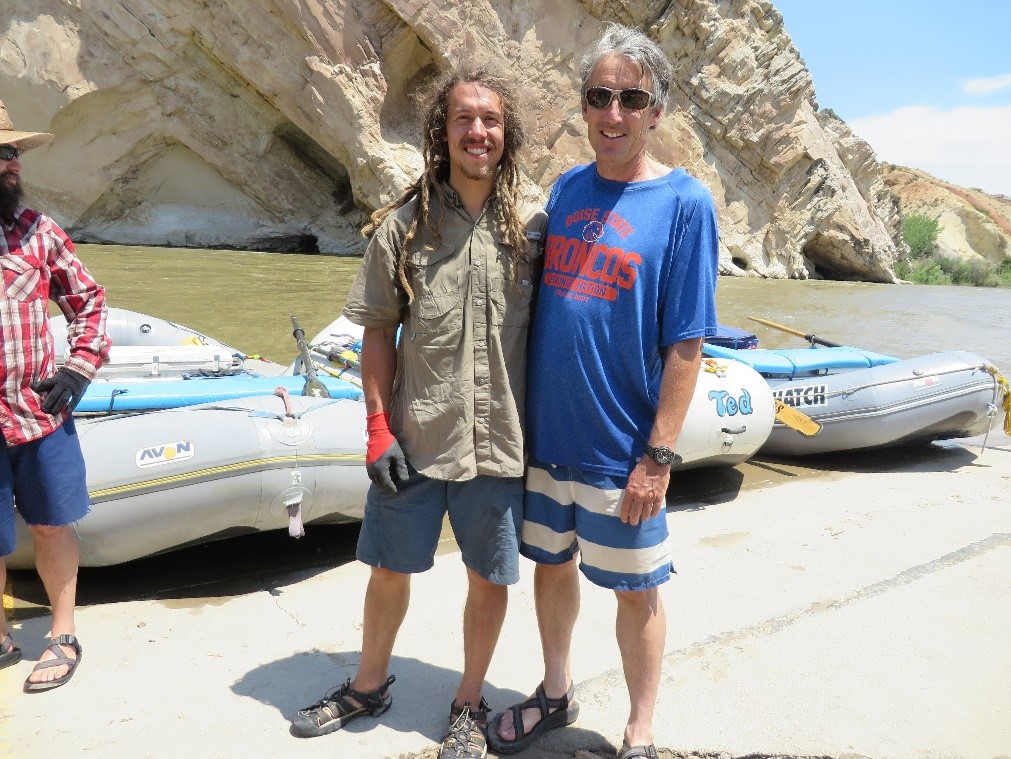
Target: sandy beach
842,607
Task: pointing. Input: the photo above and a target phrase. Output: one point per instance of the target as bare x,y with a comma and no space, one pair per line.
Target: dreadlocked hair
435,151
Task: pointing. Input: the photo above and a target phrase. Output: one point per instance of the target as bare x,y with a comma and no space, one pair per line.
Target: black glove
65,388
389,468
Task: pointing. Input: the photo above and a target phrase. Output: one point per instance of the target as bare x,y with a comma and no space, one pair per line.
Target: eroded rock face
279,124
973,223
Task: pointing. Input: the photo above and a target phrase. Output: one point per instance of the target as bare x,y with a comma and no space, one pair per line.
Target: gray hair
638,48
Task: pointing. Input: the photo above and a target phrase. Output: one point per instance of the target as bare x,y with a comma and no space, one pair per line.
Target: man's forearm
680,375
379,367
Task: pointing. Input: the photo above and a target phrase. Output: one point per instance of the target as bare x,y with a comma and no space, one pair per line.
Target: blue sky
926,83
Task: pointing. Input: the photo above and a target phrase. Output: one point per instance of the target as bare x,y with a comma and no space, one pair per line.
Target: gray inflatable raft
866,400
167,479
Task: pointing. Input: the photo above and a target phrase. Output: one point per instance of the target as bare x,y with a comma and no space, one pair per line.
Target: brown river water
246,299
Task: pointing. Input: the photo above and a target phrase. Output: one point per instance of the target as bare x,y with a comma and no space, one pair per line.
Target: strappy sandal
9,653
339,707
565,713
466,739
61,660
631,752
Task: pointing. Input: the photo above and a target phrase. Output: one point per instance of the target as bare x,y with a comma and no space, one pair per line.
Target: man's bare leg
4,628
57,558
556,598
641,629
483,616
386,600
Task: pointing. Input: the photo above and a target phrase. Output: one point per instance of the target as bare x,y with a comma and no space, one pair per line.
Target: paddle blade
796,420
315,389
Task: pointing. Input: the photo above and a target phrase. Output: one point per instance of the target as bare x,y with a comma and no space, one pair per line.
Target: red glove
379,436
385,462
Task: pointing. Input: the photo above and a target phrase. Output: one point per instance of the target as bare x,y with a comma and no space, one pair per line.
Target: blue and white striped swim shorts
571,510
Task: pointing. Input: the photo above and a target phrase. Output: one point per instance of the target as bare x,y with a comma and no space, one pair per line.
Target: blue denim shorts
47,481
401,532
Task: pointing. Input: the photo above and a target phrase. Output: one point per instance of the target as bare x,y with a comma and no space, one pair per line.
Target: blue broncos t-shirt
629,268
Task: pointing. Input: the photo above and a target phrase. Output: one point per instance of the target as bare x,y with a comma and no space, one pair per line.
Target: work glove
384,458
65,388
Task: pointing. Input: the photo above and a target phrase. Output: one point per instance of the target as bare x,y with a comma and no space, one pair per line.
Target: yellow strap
342,375
8,598
796,420
1002,383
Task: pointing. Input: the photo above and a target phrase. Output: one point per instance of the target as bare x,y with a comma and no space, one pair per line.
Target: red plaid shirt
39,265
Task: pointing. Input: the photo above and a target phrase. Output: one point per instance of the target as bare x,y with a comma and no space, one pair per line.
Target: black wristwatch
663,455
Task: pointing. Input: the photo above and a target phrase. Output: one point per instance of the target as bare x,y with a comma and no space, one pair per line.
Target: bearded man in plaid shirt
41,463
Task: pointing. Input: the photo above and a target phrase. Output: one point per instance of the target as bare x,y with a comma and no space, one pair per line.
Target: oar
796,420
312,386
813,339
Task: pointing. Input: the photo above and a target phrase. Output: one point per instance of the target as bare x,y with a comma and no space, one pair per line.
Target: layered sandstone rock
973,224
280,124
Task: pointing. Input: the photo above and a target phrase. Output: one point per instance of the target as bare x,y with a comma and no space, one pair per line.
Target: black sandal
60,660
631,752
565,713
339,707
9,653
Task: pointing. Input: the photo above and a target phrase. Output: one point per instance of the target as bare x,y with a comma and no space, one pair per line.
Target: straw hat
21,140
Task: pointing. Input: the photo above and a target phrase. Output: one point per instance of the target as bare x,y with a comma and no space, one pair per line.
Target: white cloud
987,85
966,146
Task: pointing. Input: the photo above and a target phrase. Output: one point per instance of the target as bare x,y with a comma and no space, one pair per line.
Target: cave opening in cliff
825,258
314,156
824,268
305,244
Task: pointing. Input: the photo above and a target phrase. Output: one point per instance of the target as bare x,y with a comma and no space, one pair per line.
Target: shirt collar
18,213
452,198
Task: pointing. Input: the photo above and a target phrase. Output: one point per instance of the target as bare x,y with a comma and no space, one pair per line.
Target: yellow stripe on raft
176,479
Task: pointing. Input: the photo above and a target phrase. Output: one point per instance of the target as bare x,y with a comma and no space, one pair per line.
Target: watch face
662,455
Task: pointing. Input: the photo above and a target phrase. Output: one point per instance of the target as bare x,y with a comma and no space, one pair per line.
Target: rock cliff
974,224
279,124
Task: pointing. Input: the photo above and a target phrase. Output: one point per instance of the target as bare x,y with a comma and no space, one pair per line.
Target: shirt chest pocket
437,278
510,297
23,280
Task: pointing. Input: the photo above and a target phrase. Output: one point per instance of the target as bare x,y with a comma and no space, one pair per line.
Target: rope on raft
1001,383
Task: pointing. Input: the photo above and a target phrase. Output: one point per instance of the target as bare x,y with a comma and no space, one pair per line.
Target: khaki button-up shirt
460,385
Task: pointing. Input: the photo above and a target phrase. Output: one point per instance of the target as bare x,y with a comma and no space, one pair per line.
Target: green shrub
923,271
920,234
976,272
934,274
937,270
924,266
1004,273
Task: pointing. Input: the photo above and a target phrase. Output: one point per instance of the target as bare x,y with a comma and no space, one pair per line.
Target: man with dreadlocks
450,267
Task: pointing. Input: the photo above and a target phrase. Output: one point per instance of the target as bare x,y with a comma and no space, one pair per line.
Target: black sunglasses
631,99
8,152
